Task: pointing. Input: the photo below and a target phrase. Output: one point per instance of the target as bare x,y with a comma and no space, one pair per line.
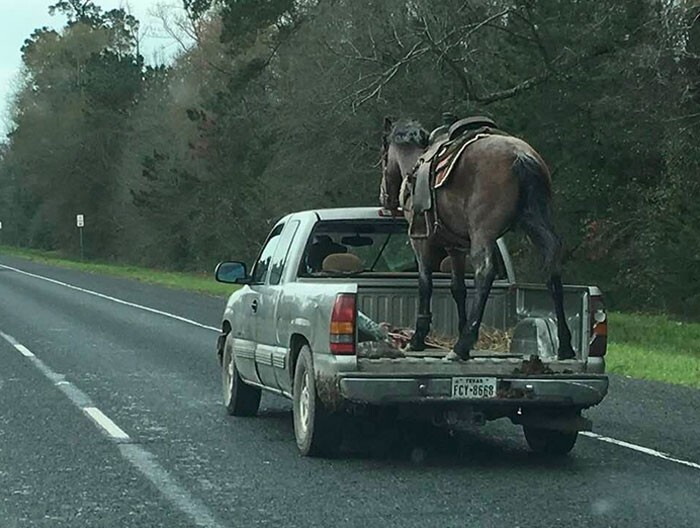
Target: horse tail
535,208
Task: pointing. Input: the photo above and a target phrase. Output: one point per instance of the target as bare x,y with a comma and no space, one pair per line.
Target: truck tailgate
433,380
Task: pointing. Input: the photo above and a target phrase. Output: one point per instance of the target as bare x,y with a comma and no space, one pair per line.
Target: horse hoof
453,356
414,347
566,353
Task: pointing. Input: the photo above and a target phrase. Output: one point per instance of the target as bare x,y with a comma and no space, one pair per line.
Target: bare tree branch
375,88
177,28
536,34
441,49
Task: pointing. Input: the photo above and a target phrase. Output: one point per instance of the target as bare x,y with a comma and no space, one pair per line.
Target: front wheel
240,398
550,441
316,429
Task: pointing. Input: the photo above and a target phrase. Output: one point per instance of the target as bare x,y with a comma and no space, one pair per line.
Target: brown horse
497,183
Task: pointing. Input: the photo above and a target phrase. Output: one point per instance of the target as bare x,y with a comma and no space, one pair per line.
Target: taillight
343,324
599,327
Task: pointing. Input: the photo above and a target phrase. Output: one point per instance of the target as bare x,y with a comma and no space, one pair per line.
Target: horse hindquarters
535,217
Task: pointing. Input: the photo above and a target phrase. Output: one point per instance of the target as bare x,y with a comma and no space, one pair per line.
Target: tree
70,121
277,105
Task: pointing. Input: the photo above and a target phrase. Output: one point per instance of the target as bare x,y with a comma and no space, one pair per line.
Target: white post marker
80,222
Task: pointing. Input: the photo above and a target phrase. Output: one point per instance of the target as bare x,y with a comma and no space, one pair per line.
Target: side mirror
231,272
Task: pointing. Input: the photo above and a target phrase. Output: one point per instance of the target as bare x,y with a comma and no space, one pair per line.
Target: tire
317,431
550,441
240,399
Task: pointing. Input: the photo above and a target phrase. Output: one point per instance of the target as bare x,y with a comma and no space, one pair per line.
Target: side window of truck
263,262
280,257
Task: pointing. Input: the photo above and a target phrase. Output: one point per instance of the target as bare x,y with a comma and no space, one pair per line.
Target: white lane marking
621,443
641,449
106,423
20,347
24,350
145,462
113,299
142,459
8,338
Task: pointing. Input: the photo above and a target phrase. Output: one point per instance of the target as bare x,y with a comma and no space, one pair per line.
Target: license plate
470,388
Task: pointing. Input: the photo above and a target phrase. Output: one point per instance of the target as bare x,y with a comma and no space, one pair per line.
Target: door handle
254,305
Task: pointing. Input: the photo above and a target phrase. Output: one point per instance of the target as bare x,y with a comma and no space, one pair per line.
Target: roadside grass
197,282
652,347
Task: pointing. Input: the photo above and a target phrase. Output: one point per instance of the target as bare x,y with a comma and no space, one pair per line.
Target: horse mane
407,132
404,132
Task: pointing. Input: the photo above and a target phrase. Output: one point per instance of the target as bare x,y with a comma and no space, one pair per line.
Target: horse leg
549,244
458,288
483,258
425,293
566,351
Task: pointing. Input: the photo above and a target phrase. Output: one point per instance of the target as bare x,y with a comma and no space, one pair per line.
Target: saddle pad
446,164
422,195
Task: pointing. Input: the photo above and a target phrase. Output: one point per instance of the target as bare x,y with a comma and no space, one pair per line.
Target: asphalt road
170,456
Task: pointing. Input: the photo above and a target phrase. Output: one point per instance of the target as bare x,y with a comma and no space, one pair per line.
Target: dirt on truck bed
388,341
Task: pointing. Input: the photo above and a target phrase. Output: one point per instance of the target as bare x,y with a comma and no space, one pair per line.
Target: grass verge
651,347
654,347
197,282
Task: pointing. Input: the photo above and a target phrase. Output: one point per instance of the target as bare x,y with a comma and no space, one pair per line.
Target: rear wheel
240,398
550,441
316,429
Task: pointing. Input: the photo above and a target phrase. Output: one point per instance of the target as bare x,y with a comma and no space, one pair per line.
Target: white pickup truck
294,328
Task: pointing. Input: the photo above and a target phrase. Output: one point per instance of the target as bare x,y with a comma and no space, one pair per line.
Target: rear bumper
576,391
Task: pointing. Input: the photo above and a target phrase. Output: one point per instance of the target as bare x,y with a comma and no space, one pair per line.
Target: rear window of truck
367,247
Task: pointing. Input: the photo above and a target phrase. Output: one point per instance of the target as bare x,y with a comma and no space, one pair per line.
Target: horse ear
388,124
424,138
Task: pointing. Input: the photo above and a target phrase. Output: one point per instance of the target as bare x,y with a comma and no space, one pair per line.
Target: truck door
272,348
248,360
244,343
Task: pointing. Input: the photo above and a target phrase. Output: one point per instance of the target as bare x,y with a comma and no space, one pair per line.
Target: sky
21,17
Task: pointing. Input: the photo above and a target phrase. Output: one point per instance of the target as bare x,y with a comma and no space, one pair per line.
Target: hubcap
304,400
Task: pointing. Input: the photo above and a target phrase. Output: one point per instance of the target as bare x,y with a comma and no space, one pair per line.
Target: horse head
402,144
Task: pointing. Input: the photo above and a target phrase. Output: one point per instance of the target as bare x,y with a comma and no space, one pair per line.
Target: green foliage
197,8
243,20
278,106
654,364
196,282
654,347
111,81
77,10
656,332
71,119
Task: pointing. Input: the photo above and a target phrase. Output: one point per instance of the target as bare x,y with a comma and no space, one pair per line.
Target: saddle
446,144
